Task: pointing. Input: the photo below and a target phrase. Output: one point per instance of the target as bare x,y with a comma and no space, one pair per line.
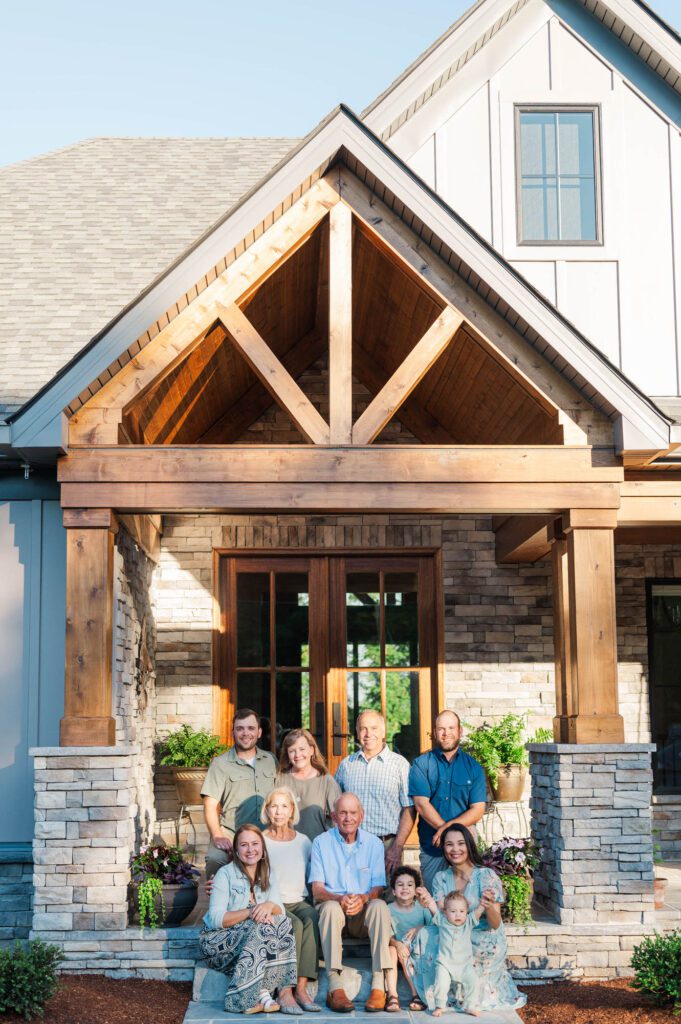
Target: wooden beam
256,401
522,539
423,425
491,327
146,531
485,498
340,325
648,535
407,376
88,719
247,272
594,707
273,374
298,464
655,500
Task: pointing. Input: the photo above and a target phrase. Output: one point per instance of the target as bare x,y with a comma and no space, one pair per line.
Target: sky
74,69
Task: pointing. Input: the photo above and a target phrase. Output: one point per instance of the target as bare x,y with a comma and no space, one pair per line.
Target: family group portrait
340,511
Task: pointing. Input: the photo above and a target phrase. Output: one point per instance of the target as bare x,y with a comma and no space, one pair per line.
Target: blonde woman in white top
289,854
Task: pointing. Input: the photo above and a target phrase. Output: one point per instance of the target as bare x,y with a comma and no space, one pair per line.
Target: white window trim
560,108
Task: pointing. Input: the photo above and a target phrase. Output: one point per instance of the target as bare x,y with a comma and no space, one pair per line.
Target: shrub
503,743
657,965
188,748
28,978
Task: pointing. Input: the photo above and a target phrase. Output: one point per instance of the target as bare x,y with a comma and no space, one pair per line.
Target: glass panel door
664,638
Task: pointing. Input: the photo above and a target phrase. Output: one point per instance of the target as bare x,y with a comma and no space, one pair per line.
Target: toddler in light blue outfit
454,963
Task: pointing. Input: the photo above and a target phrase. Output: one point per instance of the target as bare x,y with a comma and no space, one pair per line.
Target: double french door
310,640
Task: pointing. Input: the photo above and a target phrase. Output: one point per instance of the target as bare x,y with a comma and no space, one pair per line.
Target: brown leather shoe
376,1001
339,1002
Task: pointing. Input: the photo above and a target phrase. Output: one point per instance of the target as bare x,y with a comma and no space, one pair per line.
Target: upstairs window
558,175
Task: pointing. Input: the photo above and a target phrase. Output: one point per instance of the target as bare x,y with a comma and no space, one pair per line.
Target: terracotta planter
510,783
179,900
659,889
188,783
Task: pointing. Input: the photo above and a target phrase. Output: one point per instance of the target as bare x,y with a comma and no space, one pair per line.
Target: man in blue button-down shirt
446,785
347,875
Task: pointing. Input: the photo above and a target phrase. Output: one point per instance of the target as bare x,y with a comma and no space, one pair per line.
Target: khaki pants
215,859
374,921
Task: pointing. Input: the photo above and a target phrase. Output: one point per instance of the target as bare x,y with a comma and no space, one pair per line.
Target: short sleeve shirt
240,787
404,920
451,786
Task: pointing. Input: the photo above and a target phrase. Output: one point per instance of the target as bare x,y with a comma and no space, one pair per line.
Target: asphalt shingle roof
84,229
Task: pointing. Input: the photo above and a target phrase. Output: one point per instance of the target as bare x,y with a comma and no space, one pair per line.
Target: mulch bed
592,1002
94,999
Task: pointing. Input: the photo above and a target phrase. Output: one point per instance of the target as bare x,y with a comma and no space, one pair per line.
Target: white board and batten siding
623,294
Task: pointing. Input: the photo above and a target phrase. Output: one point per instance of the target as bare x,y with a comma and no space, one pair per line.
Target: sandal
417,1004
392,1005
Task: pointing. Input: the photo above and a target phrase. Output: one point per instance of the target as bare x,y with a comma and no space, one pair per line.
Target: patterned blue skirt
253,957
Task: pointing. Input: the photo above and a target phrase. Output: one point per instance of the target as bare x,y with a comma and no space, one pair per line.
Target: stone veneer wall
16,892
134,681
591,816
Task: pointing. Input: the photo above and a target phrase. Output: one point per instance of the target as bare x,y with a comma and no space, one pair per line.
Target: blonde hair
317,760
278,791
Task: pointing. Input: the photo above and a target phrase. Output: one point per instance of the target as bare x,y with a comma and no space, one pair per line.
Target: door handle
320,725
337,731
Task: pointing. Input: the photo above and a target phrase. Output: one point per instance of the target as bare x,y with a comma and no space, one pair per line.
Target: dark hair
473,852
262,871
406,870
452,896
242,713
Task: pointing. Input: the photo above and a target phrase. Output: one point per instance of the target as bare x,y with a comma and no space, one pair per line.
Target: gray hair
342,797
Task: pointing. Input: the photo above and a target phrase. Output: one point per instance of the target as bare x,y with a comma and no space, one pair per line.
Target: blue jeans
431,863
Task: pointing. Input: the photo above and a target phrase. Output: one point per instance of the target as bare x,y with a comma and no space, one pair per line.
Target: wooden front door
311,640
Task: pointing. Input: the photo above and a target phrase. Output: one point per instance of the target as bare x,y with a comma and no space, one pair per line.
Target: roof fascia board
28,424
511,287
645,25
433,63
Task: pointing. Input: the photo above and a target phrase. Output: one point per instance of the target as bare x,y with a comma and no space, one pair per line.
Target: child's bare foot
438,1012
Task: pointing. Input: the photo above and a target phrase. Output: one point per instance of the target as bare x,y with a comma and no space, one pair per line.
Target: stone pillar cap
591,748
125,750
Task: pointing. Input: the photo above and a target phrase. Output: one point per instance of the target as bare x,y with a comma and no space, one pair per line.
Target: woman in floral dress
466,873
247,936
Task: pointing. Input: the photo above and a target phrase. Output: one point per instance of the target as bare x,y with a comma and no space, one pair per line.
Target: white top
289,862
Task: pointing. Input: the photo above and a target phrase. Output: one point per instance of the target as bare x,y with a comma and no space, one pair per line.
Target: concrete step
213,1013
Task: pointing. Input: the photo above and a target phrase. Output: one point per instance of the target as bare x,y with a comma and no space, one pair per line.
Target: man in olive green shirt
237,782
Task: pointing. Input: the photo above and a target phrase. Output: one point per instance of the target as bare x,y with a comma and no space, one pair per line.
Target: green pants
305,924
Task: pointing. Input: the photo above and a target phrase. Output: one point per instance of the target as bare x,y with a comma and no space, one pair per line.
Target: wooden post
591,702
340,325
88,720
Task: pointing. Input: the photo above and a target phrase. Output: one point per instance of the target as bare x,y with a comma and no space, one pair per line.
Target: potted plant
189,752
514,860
659,883
164,886
500,749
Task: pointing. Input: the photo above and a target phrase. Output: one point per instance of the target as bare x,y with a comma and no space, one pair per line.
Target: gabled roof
632,22
342,136
84,229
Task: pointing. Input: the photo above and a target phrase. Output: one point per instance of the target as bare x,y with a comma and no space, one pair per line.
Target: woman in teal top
247,935
481,886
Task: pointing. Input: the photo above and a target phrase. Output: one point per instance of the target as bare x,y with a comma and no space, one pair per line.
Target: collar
335,832
441,757
380,756
233,756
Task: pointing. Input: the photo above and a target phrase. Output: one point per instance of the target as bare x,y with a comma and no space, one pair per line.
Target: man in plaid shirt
380,778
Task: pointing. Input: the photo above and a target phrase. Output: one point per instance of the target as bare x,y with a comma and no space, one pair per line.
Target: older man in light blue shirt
347,875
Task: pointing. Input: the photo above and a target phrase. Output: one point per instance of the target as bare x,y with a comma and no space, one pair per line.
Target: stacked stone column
591,815
84,833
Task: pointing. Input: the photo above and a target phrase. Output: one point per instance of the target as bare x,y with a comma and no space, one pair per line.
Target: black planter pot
179,900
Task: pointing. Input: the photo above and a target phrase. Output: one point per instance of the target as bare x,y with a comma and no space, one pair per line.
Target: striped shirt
382,785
